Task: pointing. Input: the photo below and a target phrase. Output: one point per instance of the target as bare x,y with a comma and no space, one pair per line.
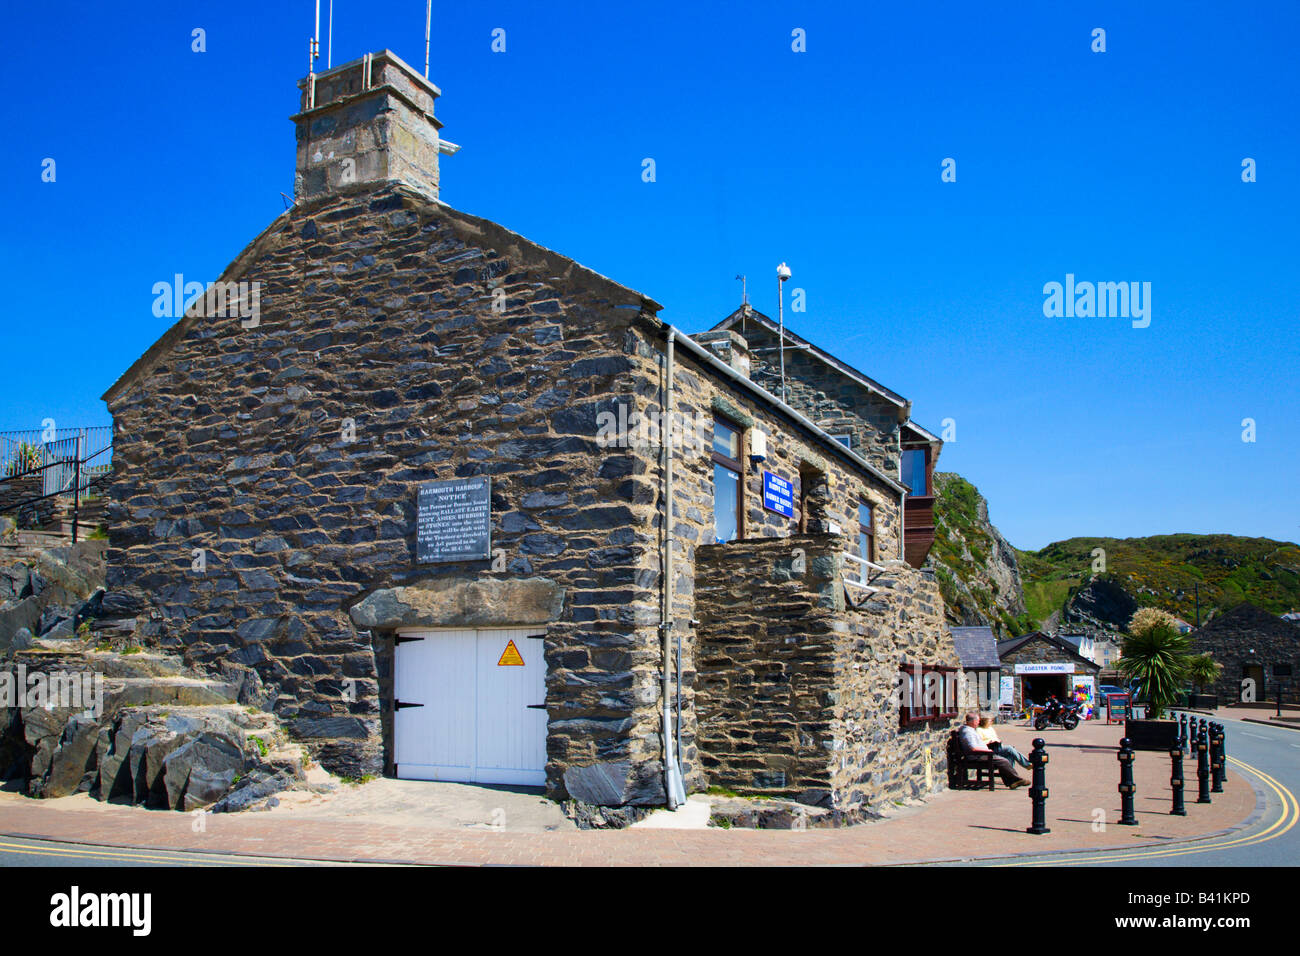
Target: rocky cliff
976,567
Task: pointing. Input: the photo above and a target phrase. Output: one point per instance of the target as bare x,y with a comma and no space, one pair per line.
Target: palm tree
1157,658
1204,670
24,458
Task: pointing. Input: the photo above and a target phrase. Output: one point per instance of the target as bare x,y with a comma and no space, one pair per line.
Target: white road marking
1247,733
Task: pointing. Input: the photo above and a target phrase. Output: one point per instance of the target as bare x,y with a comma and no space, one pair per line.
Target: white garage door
470,706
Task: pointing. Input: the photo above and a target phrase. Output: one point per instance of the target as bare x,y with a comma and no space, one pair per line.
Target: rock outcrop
976,567
81,712
1100,605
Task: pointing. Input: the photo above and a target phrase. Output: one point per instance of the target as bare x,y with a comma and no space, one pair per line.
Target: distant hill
985,580
1162,571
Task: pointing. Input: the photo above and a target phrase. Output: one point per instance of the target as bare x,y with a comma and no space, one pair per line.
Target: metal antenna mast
744,294
313,54
428,19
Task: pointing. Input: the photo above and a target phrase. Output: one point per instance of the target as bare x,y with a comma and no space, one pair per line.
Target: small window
914,468
728,496
927,693
845,440
866,534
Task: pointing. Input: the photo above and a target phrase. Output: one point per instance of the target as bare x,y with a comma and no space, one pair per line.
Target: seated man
970,741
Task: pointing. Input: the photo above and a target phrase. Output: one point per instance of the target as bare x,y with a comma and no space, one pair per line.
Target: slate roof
1006,647
758,318
1247,616
977,648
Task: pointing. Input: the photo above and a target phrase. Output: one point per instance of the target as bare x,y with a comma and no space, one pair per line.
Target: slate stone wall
1230,638
797,688
18,492
901,624
290,453
700,393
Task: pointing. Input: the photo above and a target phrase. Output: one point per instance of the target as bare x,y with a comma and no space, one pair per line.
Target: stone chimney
368,121
728,345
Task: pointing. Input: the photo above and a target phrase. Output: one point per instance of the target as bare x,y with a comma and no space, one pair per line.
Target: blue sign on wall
778,494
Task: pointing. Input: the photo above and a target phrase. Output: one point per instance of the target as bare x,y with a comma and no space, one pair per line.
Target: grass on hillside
1042,598
1167,570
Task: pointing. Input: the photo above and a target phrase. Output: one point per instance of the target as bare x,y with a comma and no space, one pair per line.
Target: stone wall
1230,637
17,499
700,393
797,688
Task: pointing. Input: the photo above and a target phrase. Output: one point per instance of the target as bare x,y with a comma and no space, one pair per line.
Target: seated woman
970,742
990,738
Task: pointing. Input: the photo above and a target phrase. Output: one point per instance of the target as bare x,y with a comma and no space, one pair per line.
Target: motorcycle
1062,713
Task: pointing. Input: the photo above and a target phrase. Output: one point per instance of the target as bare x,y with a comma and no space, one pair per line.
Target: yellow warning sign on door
510,656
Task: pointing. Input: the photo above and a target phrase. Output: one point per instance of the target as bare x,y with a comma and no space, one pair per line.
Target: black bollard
1126,785
1182,733
1038,787
1216,765
1176,781
1223,752
1202,768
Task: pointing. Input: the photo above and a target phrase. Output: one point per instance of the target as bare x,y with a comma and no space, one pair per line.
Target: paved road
21,851
1267,756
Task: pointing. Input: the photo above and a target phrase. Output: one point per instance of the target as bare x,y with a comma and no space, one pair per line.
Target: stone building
977,651
1253,645
855,409
414,502
1043,664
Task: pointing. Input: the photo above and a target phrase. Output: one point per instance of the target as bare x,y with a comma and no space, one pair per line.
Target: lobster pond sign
1044,669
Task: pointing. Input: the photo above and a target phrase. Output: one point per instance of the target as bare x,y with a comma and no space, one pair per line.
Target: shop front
1041,666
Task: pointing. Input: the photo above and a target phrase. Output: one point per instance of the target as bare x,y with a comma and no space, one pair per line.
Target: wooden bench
961,765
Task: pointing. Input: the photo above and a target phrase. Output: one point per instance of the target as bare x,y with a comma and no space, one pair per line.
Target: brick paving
1082,777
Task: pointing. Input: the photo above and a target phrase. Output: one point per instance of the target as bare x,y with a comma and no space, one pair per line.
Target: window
727,487
914,468
845,440
866,534
927,693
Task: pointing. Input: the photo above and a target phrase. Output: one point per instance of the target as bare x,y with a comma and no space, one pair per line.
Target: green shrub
26,458
1158,658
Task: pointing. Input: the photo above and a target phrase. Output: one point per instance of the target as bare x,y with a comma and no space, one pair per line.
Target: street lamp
782,273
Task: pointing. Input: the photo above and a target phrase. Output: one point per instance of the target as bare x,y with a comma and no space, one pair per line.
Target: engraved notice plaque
454,520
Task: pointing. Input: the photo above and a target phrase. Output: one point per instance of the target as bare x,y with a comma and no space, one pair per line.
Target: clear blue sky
1115,166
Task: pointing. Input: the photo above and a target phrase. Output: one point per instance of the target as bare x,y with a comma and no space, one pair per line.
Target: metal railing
53,453
864,576
69,461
